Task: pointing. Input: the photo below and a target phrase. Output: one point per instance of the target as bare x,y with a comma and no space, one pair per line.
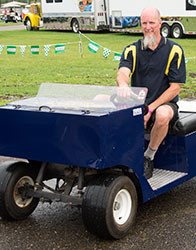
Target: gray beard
149,42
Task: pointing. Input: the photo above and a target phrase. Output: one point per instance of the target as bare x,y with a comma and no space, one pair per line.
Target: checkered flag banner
1,48
46,49
106,52
22,49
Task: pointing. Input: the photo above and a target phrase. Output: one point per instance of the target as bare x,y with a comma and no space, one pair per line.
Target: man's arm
167,96
122,80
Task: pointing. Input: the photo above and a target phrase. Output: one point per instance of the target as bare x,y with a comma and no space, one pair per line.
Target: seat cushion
186,124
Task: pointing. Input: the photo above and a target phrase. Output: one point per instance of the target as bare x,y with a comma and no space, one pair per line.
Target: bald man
157,63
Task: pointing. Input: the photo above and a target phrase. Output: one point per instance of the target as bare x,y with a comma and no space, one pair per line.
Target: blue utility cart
88,139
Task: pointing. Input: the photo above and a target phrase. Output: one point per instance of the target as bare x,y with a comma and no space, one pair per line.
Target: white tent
13,4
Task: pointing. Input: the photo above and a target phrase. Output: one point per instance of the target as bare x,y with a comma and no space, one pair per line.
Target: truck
178,16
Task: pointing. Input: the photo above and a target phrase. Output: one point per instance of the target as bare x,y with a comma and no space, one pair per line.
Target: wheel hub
116,206
122,206
21,200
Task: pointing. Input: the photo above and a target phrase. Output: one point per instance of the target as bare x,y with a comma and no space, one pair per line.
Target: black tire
75,26
28,25
109,206
176,31
165,30
13,206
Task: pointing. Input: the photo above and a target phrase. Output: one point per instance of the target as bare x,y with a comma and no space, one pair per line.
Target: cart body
86,130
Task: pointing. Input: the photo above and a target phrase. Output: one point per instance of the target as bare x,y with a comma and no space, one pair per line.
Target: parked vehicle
33,19
91,143
12,11
12,17
111,15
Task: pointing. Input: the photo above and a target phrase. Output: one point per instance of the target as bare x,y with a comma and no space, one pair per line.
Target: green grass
21,76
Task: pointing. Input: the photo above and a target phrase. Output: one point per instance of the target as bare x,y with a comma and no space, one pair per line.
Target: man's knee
163,115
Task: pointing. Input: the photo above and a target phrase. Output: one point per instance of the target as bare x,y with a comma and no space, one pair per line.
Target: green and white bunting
11,50
46,49
59,48
34,49
22,49
1,48
117,56
93,47
106,52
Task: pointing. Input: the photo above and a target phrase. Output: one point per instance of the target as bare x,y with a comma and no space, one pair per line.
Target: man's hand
124,92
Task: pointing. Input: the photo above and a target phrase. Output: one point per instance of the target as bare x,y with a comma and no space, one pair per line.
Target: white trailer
178,16
75,14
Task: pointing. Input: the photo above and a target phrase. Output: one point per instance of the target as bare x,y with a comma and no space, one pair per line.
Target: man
158,64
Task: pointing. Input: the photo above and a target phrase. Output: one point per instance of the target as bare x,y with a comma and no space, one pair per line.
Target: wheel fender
6,169
180,24
33,18
10,171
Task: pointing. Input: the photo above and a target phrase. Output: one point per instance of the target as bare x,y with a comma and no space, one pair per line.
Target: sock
150,153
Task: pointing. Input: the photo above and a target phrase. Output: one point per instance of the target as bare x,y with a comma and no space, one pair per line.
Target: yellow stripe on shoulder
175,49
133,49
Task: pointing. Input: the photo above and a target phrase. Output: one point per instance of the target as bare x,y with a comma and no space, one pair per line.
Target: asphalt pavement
164,223
13,27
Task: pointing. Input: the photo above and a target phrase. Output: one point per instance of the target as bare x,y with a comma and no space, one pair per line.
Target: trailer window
58,1
49,1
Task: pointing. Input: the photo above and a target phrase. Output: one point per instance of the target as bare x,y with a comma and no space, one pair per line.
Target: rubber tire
165,30
28,27
97,206
10,173
176,27
75,26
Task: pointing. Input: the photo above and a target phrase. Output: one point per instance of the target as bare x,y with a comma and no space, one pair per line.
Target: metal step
163,177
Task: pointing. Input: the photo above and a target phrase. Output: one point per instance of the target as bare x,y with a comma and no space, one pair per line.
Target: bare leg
163,116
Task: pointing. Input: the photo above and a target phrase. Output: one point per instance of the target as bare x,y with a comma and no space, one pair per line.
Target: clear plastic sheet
86,98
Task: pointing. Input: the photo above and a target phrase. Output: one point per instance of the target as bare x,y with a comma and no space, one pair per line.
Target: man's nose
148,26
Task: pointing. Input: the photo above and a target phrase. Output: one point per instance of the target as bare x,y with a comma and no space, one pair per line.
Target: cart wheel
14,204
109,206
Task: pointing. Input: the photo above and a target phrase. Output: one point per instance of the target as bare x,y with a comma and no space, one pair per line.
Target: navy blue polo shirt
155,69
